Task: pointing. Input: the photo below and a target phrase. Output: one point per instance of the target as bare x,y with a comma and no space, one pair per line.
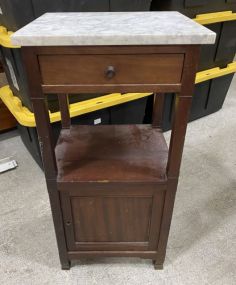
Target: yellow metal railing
215,72
211,18
26,117
5,38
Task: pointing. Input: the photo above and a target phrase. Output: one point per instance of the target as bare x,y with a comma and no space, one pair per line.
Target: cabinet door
114,222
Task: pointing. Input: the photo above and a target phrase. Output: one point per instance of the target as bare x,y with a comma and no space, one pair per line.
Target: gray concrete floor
202,243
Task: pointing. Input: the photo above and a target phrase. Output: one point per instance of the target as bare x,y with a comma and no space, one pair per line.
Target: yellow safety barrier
26,117
211,18
5,38
215,72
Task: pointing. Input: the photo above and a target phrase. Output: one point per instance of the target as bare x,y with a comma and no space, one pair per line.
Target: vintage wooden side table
112,187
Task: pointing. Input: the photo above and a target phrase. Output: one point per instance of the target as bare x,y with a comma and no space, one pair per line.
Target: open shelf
111,153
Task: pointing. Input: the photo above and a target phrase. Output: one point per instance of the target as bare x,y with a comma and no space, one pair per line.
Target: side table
112,188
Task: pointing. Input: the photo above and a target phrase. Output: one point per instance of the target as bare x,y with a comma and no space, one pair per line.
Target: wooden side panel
112,222
179,126
113,219
47,148
64,109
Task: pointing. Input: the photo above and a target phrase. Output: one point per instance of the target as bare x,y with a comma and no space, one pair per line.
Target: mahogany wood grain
158,108
118,219
122,222
127,69
111,88
64,108
112,189
111,153
111,253
59,50
47,149
182,109
102,188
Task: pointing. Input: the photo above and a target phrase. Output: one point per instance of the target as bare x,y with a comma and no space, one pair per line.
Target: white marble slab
112,28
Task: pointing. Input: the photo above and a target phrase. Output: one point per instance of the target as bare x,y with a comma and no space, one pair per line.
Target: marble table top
112,28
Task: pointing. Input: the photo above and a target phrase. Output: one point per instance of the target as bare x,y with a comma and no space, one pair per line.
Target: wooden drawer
123,69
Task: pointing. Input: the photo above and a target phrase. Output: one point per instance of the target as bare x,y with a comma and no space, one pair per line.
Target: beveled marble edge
120,28
116,41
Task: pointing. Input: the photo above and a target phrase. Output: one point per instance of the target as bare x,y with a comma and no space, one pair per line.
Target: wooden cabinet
112,183
112,188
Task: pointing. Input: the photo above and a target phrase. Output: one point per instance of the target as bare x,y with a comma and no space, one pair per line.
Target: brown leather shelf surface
110,153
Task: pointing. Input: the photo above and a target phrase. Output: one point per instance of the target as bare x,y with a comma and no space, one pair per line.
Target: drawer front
103,70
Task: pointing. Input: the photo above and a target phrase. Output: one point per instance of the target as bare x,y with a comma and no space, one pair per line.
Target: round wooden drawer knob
110,72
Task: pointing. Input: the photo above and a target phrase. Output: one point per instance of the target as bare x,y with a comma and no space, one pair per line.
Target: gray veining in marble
112,28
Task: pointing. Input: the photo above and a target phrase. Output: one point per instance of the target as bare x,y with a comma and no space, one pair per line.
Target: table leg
158,106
